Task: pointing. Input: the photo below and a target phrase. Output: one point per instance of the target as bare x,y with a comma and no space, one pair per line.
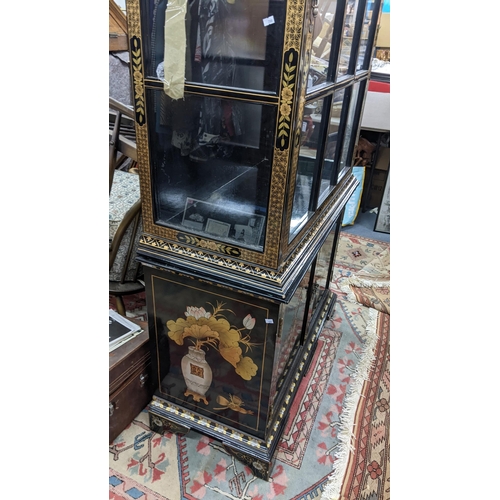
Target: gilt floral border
286,99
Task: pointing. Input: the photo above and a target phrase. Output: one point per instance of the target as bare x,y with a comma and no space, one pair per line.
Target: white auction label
268,20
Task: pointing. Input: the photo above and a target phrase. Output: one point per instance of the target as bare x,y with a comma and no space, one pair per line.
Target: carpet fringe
357,282
349,407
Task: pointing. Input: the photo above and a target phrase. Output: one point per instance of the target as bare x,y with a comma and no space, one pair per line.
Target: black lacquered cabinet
246,117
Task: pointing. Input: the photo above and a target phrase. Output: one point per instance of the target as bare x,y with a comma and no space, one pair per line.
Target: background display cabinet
246,116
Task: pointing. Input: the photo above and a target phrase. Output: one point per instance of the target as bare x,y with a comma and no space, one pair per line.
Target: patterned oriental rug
336,442
366,475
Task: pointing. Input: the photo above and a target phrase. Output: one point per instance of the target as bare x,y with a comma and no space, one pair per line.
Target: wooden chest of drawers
130,387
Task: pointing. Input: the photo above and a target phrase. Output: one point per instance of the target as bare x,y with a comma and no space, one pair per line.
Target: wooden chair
125,212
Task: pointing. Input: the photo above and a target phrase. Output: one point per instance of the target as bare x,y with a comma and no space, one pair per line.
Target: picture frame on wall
383,221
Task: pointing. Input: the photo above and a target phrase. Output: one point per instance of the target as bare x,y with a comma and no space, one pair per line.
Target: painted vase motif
197,374
211,329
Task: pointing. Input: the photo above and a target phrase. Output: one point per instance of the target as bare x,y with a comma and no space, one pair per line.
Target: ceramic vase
197,373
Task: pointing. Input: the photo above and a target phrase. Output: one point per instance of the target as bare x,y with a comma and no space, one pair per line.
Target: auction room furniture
376,124
244,150
117,28
130,388
125,210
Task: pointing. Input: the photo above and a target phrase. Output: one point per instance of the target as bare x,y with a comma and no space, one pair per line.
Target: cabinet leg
160,425
260,468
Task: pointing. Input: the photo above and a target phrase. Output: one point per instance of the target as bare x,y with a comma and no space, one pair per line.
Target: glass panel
210,166
288,345
322,276
345,50
323,31
365,31
328,172
345,162
217,42
309,146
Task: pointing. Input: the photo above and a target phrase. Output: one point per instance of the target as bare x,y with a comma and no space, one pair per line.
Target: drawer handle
112,408
143,378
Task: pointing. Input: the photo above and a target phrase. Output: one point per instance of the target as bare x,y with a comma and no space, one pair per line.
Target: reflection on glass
322,275
367,21
328,172
292,315
322,38
309,144
217,42
300,311
344,160
349,24
210,168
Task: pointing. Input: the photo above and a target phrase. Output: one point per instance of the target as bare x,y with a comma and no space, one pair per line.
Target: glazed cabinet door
210,161
212,76
219,43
